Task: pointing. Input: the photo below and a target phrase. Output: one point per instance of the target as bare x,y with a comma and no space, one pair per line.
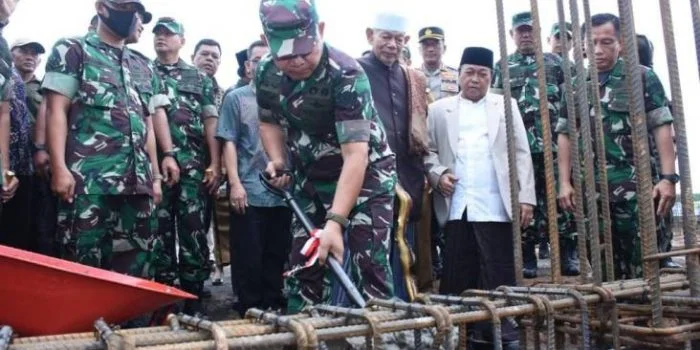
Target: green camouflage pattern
181,214
627,244
151,87
6,91
367,243
191,95
333,107
174,27
617,127
525,90
289,25
110,232
539,230
622,179
181,217
521,19
34,98
107,130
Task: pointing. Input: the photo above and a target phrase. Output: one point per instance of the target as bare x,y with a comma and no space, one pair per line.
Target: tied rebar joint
443,321
216,331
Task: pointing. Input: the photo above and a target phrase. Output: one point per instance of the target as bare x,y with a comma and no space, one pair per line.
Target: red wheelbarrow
40,295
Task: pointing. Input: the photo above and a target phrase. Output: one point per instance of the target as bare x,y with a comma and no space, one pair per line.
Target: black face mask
122,23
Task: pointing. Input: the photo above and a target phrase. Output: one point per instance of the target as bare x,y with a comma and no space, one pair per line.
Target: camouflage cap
289,26
146,16
522,19
555,29
431,33
170,24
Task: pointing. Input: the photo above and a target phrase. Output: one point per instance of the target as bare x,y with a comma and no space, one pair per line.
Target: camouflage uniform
109,224
183,207
338,109
622,181
34,98
524,88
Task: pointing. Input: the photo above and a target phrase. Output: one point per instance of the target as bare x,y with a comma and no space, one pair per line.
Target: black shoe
544,251
529,273
668,263
568,259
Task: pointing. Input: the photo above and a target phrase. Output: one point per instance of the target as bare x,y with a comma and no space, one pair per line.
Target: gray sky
235,23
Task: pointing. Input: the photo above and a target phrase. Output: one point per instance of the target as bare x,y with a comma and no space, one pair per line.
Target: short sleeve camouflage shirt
525,90
617,126
107,130
332,107
192,100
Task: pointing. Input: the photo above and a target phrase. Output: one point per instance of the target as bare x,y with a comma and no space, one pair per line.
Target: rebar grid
645,210
541,310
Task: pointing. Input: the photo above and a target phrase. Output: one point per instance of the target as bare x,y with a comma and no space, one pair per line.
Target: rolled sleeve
562,126
659,117
158,101
353,107
63,84
209,111
350,131
227,128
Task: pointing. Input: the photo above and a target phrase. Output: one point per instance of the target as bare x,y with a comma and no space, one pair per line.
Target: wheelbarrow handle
331,261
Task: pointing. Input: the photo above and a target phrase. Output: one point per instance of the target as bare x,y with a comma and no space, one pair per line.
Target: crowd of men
115,160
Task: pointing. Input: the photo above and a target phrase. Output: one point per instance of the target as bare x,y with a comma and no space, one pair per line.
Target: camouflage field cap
522,19
289,26
170,24
555,29
145,15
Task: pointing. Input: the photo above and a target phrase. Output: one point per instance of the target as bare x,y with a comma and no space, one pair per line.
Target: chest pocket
617,121
142,84
317,112
189,90
100,92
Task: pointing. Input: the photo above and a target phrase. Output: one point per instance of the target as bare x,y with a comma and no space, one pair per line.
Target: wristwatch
343,221
673,178
170,154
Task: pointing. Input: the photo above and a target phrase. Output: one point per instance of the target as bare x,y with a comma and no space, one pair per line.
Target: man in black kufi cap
468,168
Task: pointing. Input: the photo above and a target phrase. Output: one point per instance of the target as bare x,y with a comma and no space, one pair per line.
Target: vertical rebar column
600,153
584,112
682,148
552,222
640,141
512,171
695,13
574,136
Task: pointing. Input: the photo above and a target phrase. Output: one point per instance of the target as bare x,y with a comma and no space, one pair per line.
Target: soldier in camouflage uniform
102,149
192,116
665,237
7,179
524,87
617,128
346,173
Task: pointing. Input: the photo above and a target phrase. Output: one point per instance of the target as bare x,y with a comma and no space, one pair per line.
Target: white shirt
477,189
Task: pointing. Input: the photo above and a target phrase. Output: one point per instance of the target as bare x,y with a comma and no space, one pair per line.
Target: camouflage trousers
665,234
366,252
538,231
181,216
112,232
626,237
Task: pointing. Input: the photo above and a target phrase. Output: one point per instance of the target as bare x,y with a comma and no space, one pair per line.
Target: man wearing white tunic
468,168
